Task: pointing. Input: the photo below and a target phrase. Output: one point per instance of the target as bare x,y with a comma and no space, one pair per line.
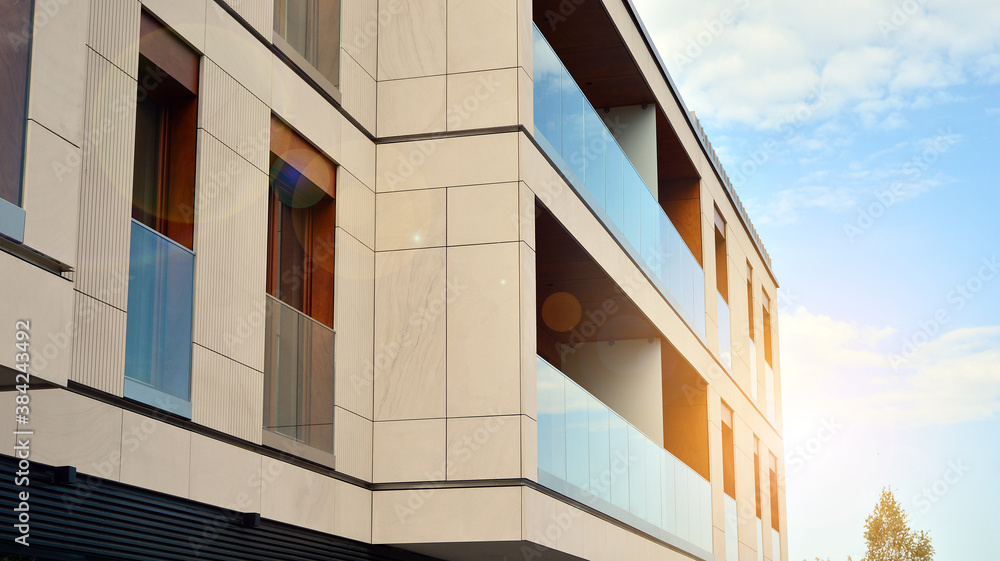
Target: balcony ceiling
593,52
565,266
589,45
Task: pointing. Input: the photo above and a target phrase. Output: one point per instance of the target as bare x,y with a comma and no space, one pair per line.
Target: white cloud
784,206
874,57
840,368
906,169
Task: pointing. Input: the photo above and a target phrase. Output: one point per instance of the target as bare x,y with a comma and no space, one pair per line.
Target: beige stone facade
445,203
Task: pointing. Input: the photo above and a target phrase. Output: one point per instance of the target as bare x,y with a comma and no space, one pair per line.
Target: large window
767,330
728,453
14,59
721,264
298,372
773,481
311,28
750,314
756,473
729,484
722,286
161,260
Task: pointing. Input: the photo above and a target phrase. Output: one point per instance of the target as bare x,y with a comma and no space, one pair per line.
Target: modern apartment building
373,279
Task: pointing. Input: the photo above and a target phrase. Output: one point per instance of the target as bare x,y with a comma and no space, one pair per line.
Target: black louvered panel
117,522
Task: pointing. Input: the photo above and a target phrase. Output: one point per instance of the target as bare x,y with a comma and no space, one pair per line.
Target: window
767,330
728,453
301,222
310,30
14,60
750,314
161,260
722,284
721,268
298,372
756,473
165,133
773,477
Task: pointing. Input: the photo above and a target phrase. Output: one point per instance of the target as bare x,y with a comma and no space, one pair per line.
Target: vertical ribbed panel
114,32
258,13
98,345
359,32
355,207
352,444
233,115
230,254
226,395
354,321
106,186
358,90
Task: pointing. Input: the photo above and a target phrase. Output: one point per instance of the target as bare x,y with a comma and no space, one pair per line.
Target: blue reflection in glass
582,442
650,232
637,472
596,141
577,436
634,187
600,449
572,127
548,92
551,420
573,134
160,308
620,461
614,161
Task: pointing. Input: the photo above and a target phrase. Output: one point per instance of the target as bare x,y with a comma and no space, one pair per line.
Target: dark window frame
16,46
301,212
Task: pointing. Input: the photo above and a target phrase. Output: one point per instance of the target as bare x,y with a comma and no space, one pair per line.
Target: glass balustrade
298,376
732,522
574,136
159,321
594,455
725,333
760,540
775,545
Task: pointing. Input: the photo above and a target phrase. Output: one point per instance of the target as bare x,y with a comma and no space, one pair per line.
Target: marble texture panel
410,299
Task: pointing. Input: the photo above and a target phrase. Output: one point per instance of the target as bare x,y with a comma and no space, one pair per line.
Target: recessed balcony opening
597,59
623,420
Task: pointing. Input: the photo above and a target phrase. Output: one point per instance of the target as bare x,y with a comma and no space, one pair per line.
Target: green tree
888,535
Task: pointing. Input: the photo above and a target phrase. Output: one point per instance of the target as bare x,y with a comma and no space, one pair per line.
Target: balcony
589,453
574,137
298,377
159,322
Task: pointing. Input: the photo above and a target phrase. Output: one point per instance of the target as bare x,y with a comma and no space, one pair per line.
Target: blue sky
862,135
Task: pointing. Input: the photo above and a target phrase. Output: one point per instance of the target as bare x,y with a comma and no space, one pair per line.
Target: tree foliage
888,536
